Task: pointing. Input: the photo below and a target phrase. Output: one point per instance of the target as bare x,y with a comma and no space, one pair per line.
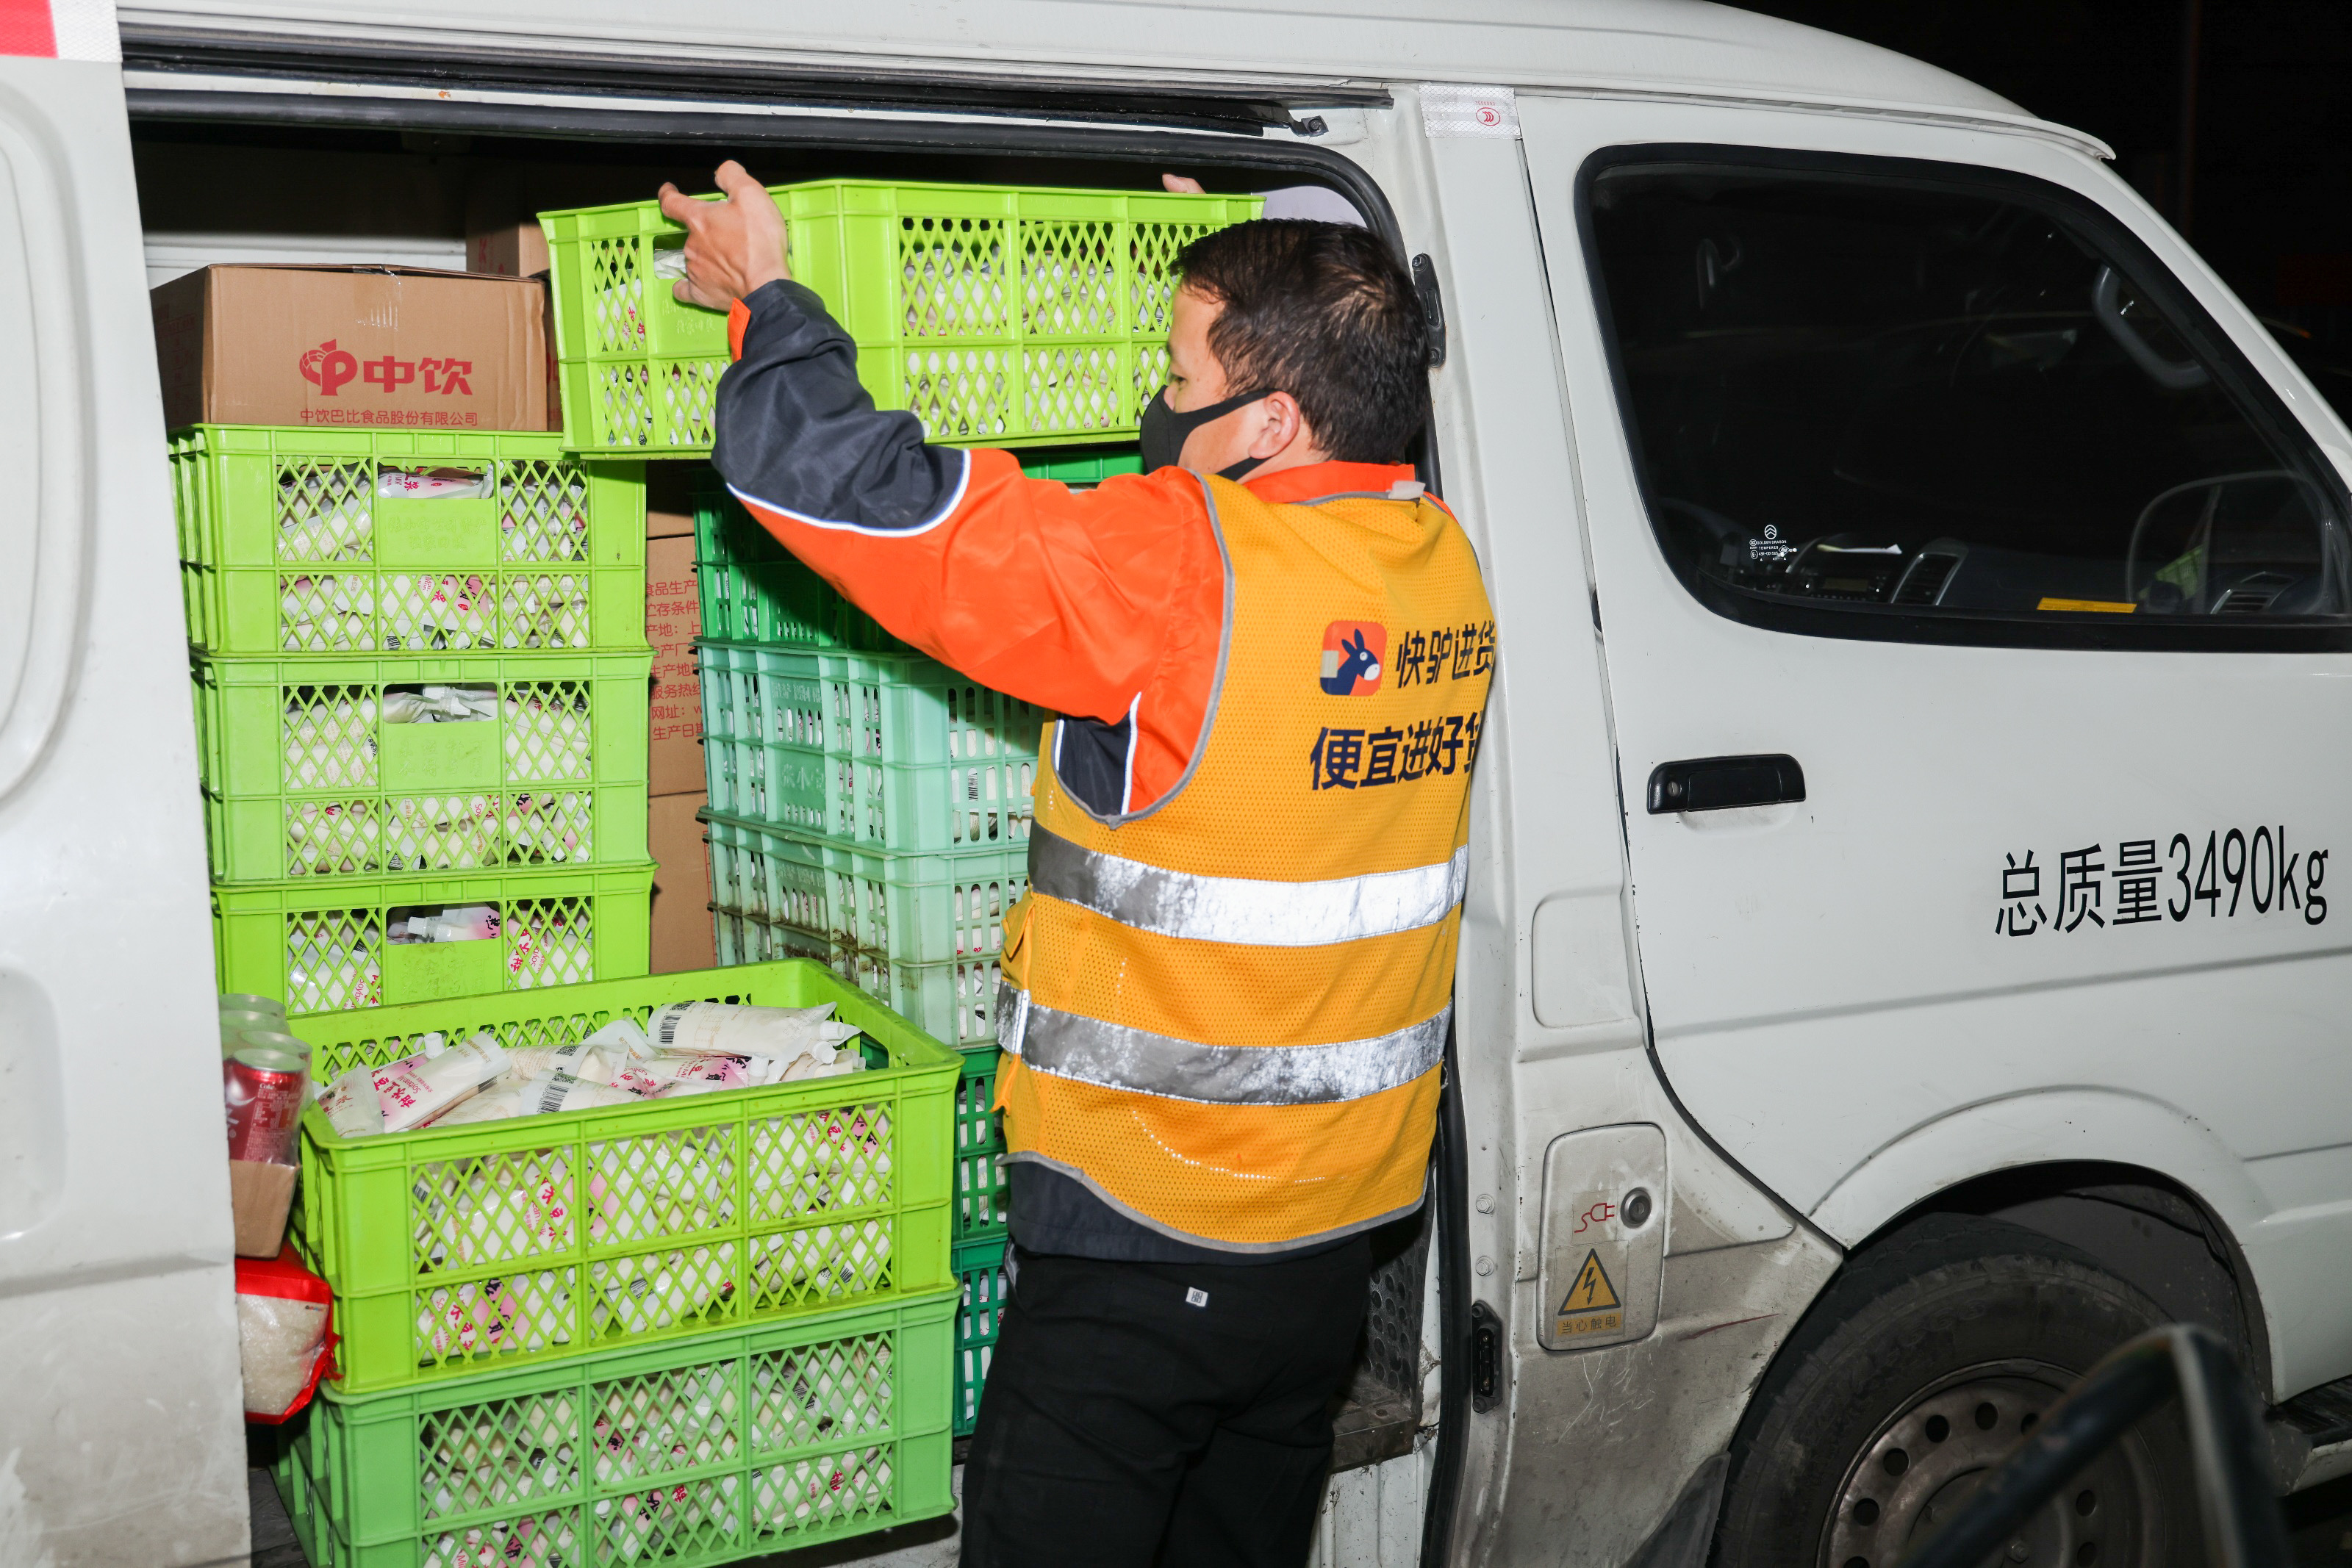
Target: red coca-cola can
263,1089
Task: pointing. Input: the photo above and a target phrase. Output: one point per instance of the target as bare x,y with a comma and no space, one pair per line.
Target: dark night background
2233,117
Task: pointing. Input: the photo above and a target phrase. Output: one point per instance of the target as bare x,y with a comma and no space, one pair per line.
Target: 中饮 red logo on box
330,369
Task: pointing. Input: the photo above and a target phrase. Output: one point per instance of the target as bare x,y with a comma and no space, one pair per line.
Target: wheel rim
1934,1452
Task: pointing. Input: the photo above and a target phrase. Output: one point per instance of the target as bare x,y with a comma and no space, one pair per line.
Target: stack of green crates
998,315
870,807
327,603
687,1332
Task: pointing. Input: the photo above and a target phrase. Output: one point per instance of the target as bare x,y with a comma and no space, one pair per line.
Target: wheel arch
2145,1190
2145,1229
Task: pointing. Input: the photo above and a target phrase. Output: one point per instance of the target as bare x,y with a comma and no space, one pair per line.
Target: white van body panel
1638,46
1828,994
1582,936
121,1423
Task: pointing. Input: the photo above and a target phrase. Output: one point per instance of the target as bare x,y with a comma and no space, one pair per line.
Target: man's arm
1070,601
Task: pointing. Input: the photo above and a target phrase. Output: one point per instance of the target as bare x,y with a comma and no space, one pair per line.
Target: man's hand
732,246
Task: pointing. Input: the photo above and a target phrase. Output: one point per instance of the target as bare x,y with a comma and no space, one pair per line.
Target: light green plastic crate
997,315
285,546
889,751
955,1000
753,590
545,1237
704,1450
303,779
909,908
321,944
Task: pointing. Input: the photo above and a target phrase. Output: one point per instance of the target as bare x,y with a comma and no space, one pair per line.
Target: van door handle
1718,783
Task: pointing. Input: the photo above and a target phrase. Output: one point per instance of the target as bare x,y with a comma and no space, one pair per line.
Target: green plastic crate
996,315
909,908
1079,467
753,590
981,1190
339,840
980,1270
285,546
893,751
320,945
303,779
456,1250
703,1450
955,1000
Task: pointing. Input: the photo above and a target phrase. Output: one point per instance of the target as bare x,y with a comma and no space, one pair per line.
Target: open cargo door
119,1431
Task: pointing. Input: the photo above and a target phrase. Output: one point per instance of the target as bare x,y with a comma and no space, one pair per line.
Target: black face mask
1163,431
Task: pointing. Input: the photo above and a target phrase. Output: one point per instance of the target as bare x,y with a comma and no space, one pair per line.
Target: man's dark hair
1323,312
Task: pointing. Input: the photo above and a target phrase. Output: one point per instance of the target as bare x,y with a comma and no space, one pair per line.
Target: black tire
1926,1360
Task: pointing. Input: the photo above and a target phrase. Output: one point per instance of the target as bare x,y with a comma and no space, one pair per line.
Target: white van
1899,960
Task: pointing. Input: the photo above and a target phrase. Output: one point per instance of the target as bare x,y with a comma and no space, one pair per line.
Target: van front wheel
1921,1366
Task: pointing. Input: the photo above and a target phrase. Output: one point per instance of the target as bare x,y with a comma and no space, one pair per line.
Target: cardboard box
669,500
259,1194
520,250
351,345
681,912
512,250
673,620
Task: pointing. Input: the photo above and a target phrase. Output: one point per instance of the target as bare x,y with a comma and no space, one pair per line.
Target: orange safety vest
1224,1013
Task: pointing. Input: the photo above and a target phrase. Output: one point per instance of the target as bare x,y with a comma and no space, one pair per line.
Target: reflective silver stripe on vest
1115,1056
1245,909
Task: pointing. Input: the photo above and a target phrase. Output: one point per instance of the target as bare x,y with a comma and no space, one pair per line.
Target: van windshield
1865,391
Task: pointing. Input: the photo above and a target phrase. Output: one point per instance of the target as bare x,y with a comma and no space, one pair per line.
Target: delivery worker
1227,991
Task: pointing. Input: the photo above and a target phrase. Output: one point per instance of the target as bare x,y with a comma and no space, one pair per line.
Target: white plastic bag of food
433,485
726,1028
418,1089
439,705
351,1106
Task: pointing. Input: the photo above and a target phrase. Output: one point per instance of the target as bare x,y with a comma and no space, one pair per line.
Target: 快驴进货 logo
1353,655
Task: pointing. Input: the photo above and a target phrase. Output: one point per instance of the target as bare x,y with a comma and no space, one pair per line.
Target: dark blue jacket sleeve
799,434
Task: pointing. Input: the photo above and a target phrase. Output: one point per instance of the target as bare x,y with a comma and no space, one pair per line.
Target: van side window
1925,400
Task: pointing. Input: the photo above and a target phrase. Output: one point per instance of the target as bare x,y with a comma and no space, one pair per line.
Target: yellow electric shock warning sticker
2104,606
1591,1305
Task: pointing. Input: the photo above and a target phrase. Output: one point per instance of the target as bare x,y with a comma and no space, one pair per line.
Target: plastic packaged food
540,1095
440,704
728,1029
285,1334
351,1106
434,485
419,1088
457,923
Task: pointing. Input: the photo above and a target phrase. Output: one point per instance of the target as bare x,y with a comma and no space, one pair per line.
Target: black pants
1161,1413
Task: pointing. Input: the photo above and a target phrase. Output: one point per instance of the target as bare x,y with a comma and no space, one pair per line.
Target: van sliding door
121,1436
